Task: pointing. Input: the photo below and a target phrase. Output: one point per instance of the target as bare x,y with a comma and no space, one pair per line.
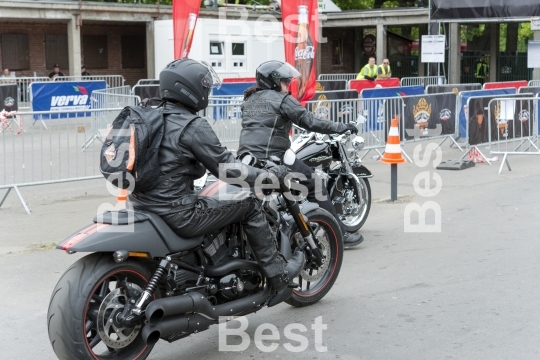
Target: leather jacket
188,139
267,118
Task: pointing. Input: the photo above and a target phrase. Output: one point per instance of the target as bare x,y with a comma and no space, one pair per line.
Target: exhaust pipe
167,316
178,324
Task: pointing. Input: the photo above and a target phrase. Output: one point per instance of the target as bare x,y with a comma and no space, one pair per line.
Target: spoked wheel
315,281
357,202
85,305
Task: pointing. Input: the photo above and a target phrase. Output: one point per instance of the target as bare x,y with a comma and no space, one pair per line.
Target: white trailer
230,46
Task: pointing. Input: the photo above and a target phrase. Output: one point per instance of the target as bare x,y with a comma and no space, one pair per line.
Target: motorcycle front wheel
85,304
316,281
355,208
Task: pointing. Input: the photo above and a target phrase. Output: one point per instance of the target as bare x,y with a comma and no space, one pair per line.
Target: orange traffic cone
392,153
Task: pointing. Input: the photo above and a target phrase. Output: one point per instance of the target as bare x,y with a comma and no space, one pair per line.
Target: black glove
280,171
352,128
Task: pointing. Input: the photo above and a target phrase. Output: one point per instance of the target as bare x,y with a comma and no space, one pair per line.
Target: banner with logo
63,96
360,85
300,20
341,111
185,14
8,97
425,113
330,85
505,84
509,118
392,92
462,103
455,88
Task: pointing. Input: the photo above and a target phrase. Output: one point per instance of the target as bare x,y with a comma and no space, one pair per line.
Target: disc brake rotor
324,245
112,334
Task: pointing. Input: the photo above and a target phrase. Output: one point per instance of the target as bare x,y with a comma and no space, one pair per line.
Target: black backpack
129,154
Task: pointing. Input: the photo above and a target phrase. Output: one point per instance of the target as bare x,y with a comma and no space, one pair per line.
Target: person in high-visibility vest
482,71
369,71
384,71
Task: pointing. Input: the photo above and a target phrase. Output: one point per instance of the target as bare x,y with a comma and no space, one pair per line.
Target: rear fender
137,237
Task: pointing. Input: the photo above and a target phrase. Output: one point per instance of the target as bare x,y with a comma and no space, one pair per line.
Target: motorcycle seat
174,242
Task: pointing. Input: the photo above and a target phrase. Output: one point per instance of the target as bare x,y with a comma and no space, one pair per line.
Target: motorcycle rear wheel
87,296
315,282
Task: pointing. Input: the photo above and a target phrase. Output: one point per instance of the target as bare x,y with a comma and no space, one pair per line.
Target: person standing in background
369,71
84,72
384,71
56,72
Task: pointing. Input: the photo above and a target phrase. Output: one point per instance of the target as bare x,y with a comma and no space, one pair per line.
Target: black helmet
188,82
270,74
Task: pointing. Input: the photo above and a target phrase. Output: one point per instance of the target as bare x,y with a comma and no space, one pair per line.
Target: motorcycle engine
238,284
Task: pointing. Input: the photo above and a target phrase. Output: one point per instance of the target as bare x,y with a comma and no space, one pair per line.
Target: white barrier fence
45,155
111,98
346,77
423,80
513,129
113,81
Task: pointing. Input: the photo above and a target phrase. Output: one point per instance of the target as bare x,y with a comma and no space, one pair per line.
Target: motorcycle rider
268,113
185,85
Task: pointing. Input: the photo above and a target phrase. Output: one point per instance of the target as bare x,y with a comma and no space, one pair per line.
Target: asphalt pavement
469,291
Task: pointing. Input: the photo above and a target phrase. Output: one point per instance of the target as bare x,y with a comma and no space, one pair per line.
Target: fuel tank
316,153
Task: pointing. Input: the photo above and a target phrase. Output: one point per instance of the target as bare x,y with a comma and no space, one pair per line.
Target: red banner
301,33
185,13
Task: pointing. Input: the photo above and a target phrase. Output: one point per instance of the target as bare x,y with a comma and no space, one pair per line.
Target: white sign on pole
328,6
533,54
535,23
432,49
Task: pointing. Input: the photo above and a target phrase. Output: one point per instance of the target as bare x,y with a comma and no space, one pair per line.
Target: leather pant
205,214
300,167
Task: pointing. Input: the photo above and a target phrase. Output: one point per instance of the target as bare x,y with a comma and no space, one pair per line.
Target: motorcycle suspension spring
154,281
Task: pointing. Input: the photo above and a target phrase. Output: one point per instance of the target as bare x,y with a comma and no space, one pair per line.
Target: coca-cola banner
300,20
185,13
455,88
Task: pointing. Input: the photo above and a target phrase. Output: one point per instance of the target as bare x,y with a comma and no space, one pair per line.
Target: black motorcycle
144,283
336,159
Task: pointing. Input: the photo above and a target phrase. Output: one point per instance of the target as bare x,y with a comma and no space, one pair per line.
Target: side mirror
289,157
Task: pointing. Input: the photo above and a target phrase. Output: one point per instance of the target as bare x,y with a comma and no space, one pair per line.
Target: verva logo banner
71,102
185,13
300,34
60,96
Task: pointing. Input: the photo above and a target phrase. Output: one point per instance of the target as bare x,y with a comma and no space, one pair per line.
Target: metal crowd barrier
346,77
111,98
50,155
112,80
374,115
515,127
534,83
423,80
148,82
23,88
424,111
224,114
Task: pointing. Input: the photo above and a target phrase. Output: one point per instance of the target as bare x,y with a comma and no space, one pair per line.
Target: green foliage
354,4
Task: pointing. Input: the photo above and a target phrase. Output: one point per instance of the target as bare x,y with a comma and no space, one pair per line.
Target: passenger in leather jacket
189,142
268,113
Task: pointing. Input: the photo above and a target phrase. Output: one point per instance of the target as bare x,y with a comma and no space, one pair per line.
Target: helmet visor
211,79
287,71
